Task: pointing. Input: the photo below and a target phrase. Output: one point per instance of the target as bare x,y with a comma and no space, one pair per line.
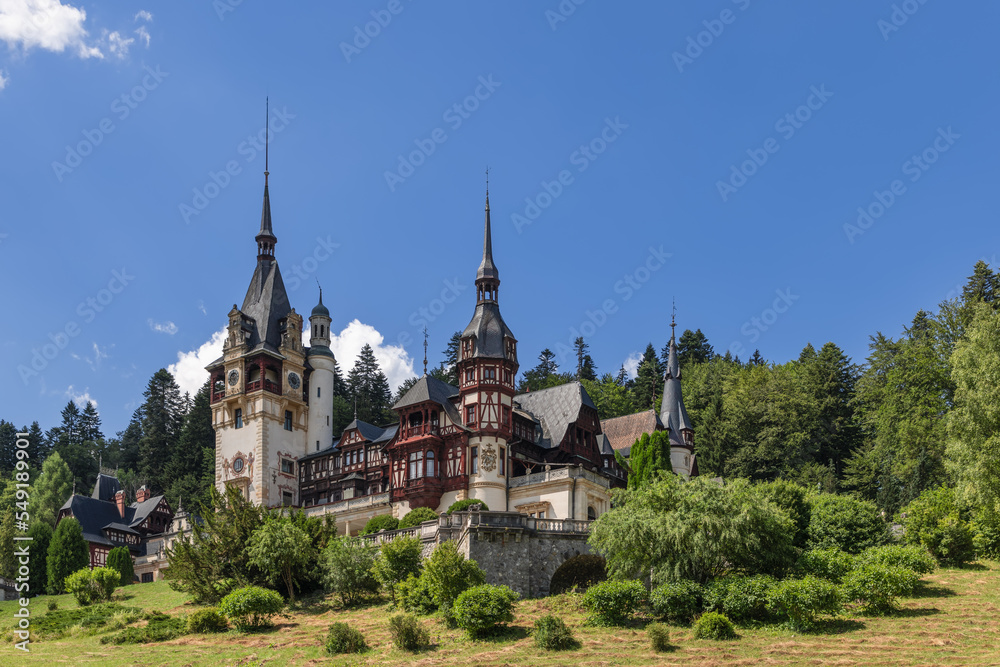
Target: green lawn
953,621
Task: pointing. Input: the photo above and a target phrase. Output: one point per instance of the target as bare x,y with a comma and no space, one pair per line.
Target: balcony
420,431
273,387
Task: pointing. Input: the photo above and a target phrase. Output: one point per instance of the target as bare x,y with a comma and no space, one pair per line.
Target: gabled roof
430,388
388,434
604,445
369,432
622,432
140,511
106,487
120,527
555,408
93,515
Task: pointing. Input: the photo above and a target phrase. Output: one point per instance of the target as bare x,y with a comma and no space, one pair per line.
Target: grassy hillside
953,621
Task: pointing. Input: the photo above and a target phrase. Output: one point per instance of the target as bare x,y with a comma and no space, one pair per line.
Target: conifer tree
194,455
648,457
68,552
450,364
51,490
8,447
584,363
161,426
648,381
41,536
370,388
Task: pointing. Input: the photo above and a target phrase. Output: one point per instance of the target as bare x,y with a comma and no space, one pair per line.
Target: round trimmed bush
581,572
676,602
877,587
912,557
829,564
484,610
380,522
205,621
740,598
417,517
251,607
800,601
713,625
614,602
342,638
552,634
407,632
659,637
52,605
463,505
845,523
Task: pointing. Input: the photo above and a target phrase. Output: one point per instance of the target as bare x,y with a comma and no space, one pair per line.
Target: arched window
429,458
591,513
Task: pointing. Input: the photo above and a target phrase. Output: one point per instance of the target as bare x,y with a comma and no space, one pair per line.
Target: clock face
234,377
238,466
293,380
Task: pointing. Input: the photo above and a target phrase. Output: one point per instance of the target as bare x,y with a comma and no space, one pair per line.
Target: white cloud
94,361
189,371
143,15
632,364
393,359
118,46
80,398
167,327
3,84
143,34
45,24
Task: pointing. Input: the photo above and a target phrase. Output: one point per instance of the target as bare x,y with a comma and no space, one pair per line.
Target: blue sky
713,152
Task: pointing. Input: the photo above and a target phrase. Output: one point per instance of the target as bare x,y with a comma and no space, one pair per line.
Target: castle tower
259,410
321,374
673,414
486,369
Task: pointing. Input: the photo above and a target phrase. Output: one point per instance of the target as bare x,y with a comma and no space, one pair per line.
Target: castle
544,453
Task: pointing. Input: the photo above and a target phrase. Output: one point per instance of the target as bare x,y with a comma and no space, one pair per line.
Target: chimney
120,502
142,494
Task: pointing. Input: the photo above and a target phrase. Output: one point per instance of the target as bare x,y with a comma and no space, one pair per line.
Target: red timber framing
427,459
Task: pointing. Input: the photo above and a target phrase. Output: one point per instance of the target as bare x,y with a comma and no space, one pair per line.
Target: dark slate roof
555,408
622,432
142,510
490,330
388,434
120,527
487,269
429,388
320,309
94,515
105,487
265,214
369,432
323,452
605,445
319,351
265,303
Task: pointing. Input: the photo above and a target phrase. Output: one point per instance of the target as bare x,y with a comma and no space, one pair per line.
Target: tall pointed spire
672,411
487,277
265,237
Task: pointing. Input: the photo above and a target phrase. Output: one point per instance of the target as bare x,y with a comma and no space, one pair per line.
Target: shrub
251,607
396,561
120,559
845,523
407,632
552,634
986,534
581,572
380,522
791,498
659,637
448,573
463,505
483,610
829,564
346,565
802,600
68,553
613,602
160,628
342,638
414,594
740,598
417,517
935,521
52,605
912,557
713,625
95,585
677,601
205,621
877,587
